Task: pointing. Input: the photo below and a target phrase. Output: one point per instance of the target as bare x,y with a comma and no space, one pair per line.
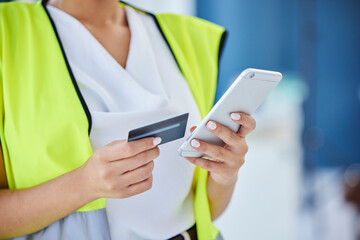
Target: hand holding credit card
168,130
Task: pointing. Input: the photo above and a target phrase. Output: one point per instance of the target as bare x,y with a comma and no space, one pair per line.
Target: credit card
169,129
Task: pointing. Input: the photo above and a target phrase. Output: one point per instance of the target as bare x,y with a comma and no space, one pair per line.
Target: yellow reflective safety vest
44,120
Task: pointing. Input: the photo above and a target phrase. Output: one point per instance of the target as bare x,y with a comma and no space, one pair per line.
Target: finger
192,129
138,175
209,165
226,134
247,123
138,188
216,152
121,149
136,161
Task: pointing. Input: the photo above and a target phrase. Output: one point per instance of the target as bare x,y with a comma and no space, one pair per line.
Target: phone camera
252,75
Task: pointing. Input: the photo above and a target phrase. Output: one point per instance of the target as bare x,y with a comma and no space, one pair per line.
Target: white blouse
149,89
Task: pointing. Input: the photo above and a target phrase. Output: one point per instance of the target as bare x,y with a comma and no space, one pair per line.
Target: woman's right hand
121,169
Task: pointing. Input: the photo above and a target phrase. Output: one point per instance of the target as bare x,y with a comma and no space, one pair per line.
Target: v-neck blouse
149,89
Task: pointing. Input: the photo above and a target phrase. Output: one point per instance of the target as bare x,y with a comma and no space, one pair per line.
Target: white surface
326,215
174,6
120,100
266,199
245,95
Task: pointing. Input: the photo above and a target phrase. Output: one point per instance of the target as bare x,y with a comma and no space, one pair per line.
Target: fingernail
157,141
211,125
235,116
195,143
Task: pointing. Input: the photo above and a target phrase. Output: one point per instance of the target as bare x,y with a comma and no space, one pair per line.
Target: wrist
86,188
225,181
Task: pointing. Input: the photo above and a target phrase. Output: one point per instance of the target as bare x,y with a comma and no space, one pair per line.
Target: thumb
192,128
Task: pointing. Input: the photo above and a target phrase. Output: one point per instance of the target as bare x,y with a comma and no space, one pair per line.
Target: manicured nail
195,143
157,141
211,125
235,116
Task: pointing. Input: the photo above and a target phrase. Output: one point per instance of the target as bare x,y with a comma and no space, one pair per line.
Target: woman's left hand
225,161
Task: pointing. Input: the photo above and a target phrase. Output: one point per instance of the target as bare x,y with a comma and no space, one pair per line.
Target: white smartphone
245,95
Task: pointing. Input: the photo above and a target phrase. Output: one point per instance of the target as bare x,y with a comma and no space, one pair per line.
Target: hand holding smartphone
245,95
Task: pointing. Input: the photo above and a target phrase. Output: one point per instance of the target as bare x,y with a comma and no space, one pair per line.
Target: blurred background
301,176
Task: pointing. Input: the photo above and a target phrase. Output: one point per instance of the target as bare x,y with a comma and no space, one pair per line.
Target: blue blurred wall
318,41
261,35
333,109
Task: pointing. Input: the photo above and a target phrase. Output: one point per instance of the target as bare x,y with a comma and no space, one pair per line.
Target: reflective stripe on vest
44,120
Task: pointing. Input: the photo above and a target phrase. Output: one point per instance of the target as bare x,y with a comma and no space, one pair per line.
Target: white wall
265,203
175,6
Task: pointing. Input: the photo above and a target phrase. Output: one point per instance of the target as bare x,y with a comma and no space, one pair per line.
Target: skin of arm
225,162
219,196
28,210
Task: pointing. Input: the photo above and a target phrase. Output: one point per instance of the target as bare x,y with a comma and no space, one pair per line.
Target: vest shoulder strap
196,45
